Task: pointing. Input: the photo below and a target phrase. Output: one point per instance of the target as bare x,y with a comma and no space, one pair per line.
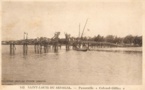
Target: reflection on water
99,66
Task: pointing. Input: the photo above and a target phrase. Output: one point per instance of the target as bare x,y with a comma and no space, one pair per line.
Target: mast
79,30
84,28
24,35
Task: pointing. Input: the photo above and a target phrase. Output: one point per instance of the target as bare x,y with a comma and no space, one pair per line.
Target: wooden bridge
43,46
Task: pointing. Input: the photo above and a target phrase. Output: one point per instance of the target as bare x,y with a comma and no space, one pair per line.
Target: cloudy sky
42,19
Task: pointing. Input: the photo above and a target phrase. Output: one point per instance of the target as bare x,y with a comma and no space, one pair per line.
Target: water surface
107,66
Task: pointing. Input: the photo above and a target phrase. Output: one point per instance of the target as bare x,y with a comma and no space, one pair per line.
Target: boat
80,37
81,49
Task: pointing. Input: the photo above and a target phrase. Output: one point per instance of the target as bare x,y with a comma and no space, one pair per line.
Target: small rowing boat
81,49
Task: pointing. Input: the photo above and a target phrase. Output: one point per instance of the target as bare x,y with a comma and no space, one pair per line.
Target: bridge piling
12,48
25,48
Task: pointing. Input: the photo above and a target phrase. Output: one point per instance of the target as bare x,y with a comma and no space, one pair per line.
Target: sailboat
83,48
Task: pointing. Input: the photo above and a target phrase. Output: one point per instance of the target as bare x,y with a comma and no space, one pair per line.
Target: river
106,66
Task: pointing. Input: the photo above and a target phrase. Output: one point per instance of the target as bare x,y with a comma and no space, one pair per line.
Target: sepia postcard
72,45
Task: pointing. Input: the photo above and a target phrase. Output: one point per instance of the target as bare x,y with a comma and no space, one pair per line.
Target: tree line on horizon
127,40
